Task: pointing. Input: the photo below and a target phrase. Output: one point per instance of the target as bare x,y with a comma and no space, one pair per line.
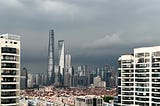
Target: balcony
8,86
156,95
142,99
8,101
8,79
156,65
8,65
142,75
8,72
142,80
142,65
8,94
8,50
156,100
142,70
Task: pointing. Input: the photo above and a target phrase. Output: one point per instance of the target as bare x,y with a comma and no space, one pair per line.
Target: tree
107,98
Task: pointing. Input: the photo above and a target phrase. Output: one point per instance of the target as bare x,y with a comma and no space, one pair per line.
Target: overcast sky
96,32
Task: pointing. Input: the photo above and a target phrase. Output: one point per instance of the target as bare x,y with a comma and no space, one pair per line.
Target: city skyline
96,32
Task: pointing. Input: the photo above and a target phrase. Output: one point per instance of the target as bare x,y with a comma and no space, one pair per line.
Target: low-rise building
88,101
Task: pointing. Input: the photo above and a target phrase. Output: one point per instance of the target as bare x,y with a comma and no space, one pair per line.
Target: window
15,42
8,50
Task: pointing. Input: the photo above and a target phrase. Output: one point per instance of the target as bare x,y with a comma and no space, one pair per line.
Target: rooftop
10,36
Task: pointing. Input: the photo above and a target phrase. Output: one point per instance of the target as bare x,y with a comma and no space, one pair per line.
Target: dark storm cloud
95,31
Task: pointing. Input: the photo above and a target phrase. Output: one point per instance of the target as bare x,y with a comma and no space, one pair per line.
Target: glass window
8,50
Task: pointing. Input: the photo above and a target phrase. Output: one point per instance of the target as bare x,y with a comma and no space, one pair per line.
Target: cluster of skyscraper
139,78
63,74
28,80
60,74
85,77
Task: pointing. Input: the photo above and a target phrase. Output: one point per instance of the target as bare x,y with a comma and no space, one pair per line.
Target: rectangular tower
9,70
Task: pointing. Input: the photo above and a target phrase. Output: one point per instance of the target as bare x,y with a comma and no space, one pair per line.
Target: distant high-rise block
10,70
68,73
57,75
23,78
97,82
42,79
138,81
84,76
37,79
30,81
61,57
68,61
50,71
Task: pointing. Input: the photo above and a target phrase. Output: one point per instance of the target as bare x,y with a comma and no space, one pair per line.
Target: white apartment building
9,70
139,78
126,81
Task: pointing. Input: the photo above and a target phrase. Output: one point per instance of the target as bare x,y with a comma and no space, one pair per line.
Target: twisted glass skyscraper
50,71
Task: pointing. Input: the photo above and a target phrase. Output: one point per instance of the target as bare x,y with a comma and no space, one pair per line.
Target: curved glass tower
50,71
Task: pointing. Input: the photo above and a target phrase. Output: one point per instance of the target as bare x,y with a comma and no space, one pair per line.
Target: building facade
10,70
139,77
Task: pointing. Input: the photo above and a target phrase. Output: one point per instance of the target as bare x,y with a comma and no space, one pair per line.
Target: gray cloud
95,31
108,40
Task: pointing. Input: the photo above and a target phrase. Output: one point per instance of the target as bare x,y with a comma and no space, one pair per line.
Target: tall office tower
50,71
139,83
61,57
10,70
23,78
30,81
68,73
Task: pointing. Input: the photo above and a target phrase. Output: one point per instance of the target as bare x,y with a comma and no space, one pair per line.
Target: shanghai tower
50,71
